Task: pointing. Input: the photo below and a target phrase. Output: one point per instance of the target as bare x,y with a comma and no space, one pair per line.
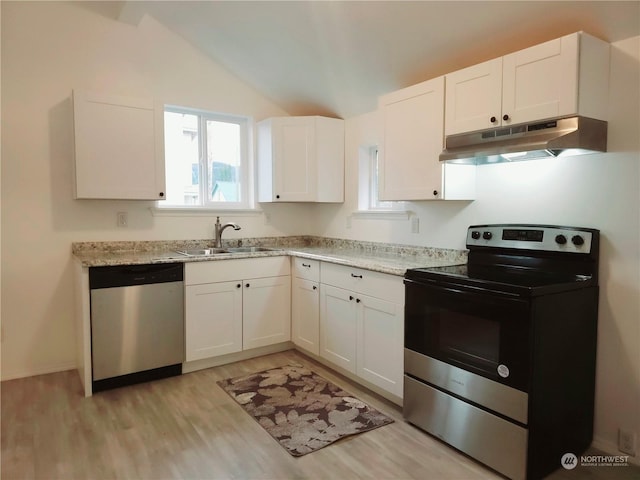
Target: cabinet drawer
307,269
225,270
367,282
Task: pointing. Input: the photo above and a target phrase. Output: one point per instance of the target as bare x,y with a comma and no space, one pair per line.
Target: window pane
375,202
223,162
182,152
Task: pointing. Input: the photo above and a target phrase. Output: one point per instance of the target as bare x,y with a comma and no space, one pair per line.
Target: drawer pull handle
306,265
356,276
350,297
357,300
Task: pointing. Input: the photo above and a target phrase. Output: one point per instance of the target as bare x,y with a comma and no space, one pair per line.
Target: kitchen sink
207,252
202,252
251,249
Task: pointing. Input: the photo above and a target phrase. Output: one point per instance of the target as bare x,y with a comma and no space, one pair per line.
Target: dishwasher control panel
129,275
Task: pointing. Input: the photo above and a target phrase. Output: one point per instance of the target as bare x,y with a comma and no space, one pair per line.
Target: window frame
245,170
368,203
374,202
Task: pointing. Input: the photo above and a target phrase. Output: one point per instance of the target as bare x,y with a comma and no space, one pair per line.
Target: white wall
599,191
49,48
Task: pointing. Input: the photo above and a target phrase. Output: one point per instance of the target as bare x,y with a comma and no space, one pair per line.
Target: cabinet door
294,166
541,81
380,343
474,98
266,306
305,315
119,147
338,327
408,164
213,319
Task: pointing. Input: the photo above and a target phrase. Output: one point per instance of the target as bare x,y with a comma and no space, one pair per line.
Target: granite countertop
384,262
392,259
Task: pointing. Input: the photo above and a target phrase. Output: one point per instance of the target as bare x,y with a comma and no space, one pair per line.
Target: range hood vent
527,141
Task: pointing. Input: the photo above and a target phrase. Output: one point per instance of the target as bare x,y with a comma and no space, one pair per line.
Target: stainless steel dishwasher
137,323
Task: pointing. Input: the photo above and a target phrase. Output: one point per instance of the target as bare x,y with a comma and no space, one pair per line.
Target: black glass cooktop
500,278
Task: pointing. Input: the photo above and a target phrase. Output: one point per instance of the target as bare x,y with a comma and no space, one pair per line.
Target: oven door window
484,333
469,339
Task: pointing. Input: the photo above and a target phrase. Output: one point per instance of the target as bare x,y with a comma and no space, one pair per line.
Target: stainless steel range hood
550,138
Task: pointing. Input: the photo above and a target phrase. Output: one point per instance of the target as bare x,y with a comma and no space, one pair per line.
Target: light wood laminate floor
188,427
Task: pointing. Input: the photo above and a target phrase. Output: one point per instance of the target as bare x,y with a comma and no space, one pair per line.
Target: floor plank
188,427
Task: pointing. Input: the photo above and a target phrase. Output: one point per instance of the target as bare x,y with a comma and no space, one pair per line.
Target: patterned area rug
301,410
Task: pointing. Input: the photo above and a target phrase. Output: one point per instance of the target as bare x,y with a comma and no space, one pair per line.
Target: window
374,202
368,179
206,159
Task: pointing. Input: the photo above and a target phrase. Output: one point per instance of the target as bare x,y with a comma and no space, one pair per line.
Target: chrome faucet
220,228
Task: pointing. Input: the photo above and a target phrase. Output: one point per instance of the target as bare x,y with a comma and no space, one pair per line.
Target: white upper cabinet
474,97
561,77
301,159
119,147
412,140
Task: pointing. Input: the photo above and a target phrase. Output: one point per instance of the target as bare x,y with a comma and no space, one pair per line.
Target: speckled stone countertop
381,257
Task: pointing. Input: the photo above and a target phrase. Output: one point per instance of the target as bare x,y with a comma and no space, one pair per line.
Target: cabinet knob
315,288
505,117
350,297
493,119
161,194
357,300
435,193
239,285
277,196
247,285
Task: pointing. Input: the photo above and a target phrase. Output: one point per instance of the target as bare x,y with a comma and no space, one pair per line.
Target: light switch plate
123,219
415,225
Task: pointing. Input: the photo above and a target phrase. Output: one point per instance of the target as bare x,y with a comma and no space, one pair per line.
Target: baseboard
351,376
610,448
61,367
195,365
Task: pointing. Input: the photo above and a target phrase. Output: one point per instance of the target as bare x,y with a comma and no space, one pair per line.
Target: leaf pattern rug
300,409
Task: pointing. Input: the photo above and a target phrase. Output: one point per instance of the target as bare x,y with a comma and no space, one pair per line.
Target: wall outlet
415,225
123,219
627,442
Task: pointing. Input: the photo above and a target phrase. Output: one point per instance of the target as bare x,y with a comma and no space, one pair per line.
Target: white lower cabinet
236,305
305,314
213,315
380,343
266,311
305,304
350,317
362,324
338,327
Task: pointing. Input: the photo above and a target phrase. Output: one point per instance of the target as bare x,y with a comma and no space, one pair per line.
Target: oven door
480,331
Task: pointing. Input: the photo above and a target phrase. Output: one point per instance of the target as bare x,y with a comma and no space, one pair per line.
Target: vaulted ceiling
335,57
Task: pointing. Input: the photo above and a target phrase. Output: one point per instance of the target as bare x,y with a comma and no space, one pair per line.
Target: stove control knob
475,235
577,240
487,235
561,239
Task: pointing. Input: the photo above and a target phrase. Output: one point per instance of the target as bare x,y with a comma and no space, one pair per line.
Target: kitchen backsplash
367,248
